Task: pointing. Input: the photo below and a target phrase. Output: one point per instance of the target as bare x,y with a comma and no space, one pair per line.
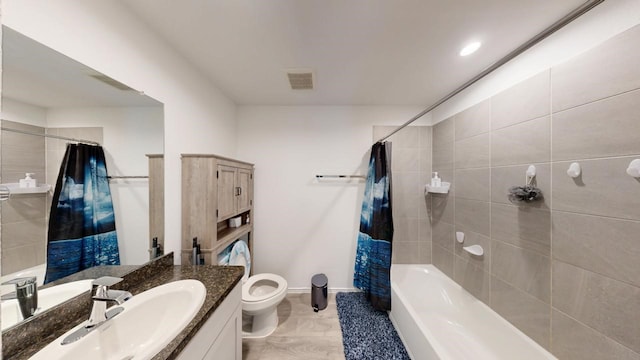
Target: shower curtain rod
340,177
51,136
579,11
128,177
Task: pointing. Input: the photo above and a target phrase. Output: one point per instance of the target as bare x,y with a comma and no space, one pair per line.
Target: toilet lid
240,256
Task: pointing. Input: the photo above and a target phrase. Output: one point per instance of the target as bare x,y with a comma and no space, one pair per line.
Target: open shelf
443,189
228,235
15,189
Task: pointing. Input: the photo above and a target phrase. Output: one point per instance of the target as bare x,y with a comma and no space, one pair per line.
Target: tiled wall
24,215
565,270
411,167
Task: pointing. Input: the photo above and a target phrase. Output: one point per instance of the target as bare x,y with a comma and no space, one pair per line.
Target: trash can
319,292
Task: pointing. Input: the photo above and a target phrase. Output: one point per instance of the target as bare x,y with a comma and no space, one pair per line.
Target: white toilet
261,293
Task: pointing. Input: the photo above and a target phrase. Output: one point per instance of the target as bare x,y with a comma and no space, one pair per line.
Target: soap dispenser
435,180
28,181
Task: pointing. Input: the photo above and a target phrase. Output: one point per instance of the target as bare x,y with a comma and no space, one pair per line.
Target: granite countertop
21,342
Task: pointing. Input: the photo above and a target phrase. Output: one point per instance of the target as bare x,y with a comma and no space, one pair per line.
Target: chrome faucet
26,293
99,314
104,295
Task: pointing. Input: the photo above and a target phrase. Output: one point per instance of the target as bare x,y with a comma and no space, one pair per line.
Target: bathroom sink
47,298
150,321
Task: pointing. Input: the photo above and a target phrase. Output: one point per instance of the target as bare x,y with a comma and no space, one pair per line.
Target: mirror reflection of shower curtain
373,256
82,228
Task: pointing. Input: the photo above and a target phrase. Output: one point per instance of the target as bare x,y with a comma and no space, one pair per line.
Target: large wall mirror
47,99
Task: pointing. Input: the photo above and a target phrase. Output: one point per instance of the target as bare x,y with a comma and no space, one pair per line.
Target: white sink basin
47,298
150,321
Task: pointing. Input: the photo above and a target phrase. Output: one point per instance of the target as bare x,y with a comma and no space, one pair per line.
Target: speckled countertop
20,342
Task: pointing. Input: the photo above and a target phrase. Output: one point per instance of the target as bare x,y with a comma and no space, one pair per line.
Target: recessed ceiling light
470,48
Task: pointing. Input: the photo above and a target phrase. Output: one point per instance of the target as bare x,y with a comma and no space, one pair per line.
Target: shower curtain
82,229
373,255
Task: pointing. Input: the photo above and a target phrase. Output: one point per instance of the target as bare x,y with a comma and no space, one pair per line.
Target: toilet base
264,324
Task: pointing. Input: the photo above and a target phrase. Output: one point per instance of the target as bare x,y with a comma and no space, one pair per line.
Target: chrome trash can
319,292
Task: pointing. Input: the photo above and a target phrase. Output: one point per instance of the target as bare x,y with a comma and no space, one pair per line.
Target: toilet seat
279,282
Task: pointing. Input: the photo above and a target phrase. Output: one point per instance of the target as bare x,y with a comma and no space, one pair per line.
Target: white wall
129,133
21,112
603,22
103,35
302,226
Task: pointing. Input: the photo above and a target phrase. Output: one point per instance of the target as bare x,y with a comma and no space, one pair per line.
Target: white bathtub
438,319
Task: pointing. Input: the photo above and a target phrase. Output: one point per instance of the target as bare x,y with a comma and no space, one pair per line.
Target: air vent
300,79
109,81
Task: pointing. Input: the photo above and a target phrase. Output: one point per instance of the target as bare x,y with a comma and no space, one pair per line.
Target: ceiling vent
300,79
110,81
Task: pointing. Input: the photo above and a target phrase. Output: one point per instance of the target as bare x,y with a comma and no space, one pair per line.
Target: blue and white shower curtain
82,228
373,257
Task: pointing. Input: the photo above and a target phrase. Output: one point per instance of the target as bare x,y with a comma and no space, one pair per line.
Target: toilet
261,293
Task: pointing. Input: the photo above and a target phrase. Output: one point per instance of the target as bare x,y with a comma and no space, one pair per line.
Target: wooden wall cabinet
214,190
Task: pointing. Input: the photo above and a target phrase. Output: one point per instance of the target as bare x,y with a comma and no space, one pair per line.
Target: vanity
215,330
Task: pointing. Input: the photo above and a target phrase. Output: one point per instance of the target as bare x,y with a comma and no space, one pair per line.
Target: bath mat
366,332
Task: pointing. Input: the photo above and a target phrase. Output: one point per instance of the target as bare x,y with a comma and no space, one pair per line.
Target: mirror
47,93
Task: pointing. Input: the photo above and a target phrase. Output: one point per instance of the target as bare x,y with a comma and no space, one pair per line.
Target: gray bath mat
366,332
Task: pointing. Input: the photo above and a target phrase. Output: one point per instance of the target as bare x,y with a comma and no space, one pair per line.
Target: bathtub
438,319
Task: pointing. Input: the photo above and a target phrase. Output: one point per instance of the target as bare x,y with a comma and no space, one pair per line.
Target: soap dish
14,188
442,189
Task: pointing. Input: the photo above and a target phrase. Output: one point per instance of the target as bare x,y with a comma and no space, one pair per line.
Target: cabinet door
226,192
245,196
228,345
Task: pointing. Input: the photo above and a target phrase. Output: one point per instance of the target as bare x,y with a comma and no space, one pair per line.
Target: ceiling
35,74
362,52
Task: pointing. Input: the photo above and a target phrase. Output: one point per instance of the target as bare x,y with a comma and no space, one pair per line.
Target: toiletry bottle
435,180
154,248
195,258
200,256
28,181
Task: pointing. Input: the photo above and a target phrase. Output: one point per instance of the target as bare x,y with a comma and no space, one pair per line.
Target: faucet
26,293
103,295
99,314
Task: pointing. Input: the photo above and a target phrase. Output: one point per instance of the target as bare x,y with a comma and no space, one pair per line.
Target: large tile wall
411,166
564,269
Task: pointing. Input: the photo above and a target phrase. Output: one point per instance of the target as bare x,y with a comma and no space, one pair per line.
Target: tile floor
301,333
